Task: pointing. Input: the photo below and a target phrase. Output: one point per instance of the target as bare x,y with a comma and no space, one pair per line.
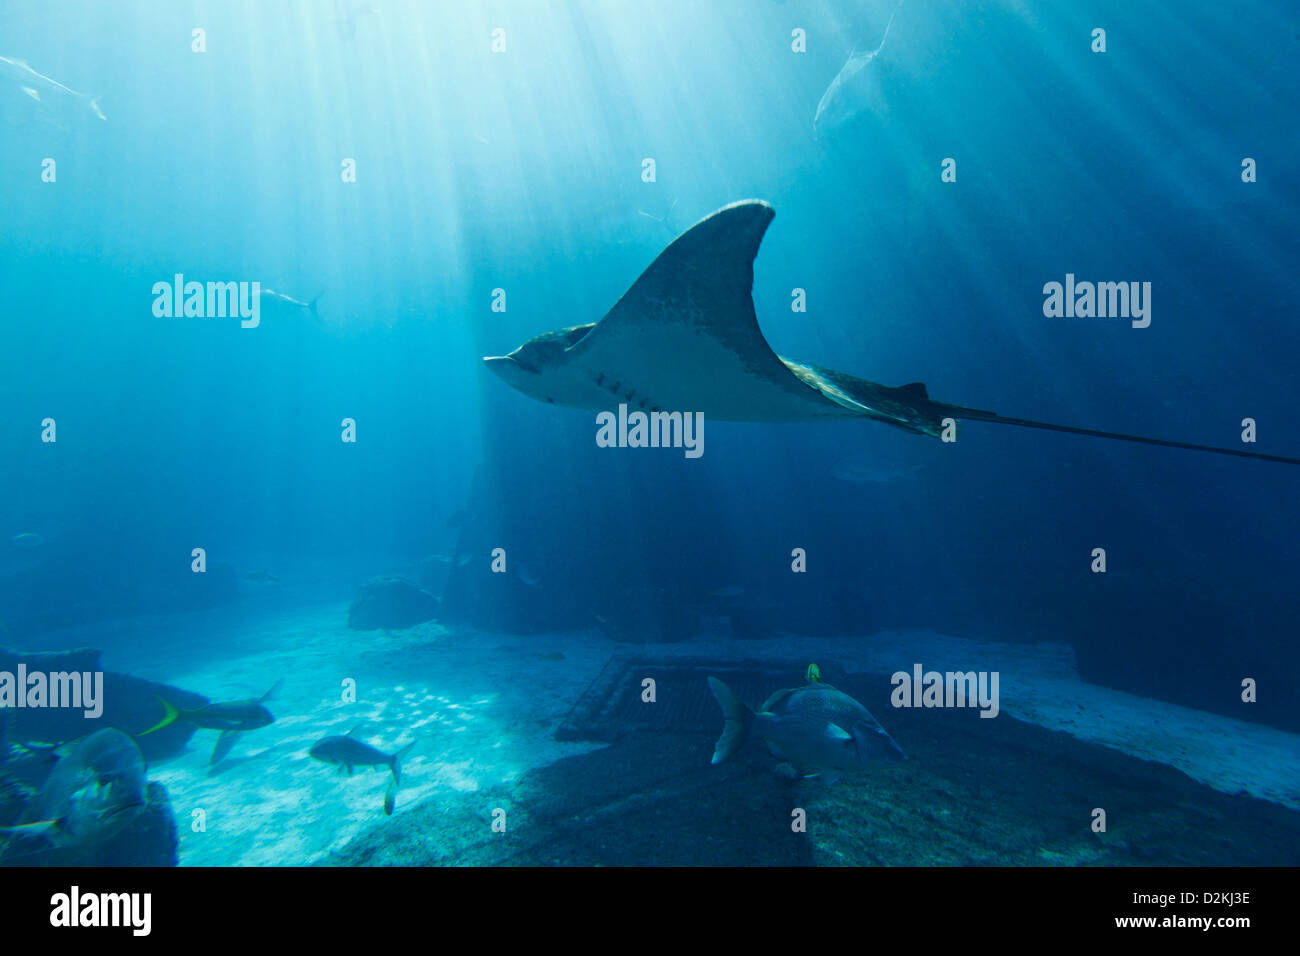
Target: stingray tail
975,414
736,721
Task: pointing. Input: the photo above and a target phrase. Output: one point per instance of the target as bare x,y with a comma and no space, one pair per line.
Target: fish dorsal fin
685,335
914,391
270,694
353,731
777,701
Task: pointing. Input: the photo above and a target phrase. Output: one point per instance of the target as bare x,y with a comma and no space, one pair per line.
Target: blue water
522,170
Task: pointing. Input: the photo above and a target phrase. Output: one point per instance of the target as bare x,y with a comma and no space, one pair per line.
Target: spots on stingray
627,396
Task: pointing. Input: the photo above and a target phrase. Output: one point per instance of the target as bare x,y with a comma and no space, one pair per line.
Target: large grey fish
816,729
347,753
33,84
230,717
91,794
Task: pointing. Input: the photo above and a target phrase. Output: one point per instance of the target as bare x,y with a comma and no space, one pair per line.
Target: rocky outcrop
390,603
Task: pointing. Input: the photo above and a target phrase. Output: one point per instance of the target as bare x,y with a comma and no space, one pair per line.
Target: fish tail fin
36,826
94,105
312,304
396,764
48,829
737,720
170,716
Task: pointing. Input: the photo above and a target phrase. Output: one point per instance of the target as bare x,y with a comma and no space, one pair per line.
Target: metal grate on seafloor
612,706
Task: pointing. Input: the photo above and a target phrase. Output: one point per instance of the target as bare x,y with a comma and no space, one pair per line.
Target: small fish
230,717
31,82
28,541
862,469
730,591
815,728
666,220
270,296
347,753
91,794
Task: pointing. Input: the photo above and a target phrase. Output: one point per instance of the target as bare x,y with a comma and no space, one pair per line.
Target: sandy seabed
483,709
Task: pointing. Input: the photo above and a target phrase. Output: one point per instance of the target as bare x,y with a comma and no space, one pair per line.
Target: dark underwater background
523,171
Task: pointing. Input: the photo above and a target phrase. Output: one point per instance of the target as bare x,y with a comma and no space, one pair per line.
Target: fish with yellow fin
232,718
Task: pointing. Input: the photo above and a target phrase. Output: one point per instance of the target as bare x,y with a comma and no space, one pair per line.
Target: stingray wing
685,337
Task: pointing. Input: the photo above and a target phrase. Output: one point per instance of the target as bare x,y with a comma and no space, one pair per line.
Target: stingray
853,91
685,338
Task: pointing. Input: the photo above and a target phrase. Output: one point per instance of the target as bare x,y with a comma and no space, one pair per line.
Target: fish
347,752
271,297
816,729
91,794
666,220
863,469
685,339
852,91
527,578
231,718
27,541
31,83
